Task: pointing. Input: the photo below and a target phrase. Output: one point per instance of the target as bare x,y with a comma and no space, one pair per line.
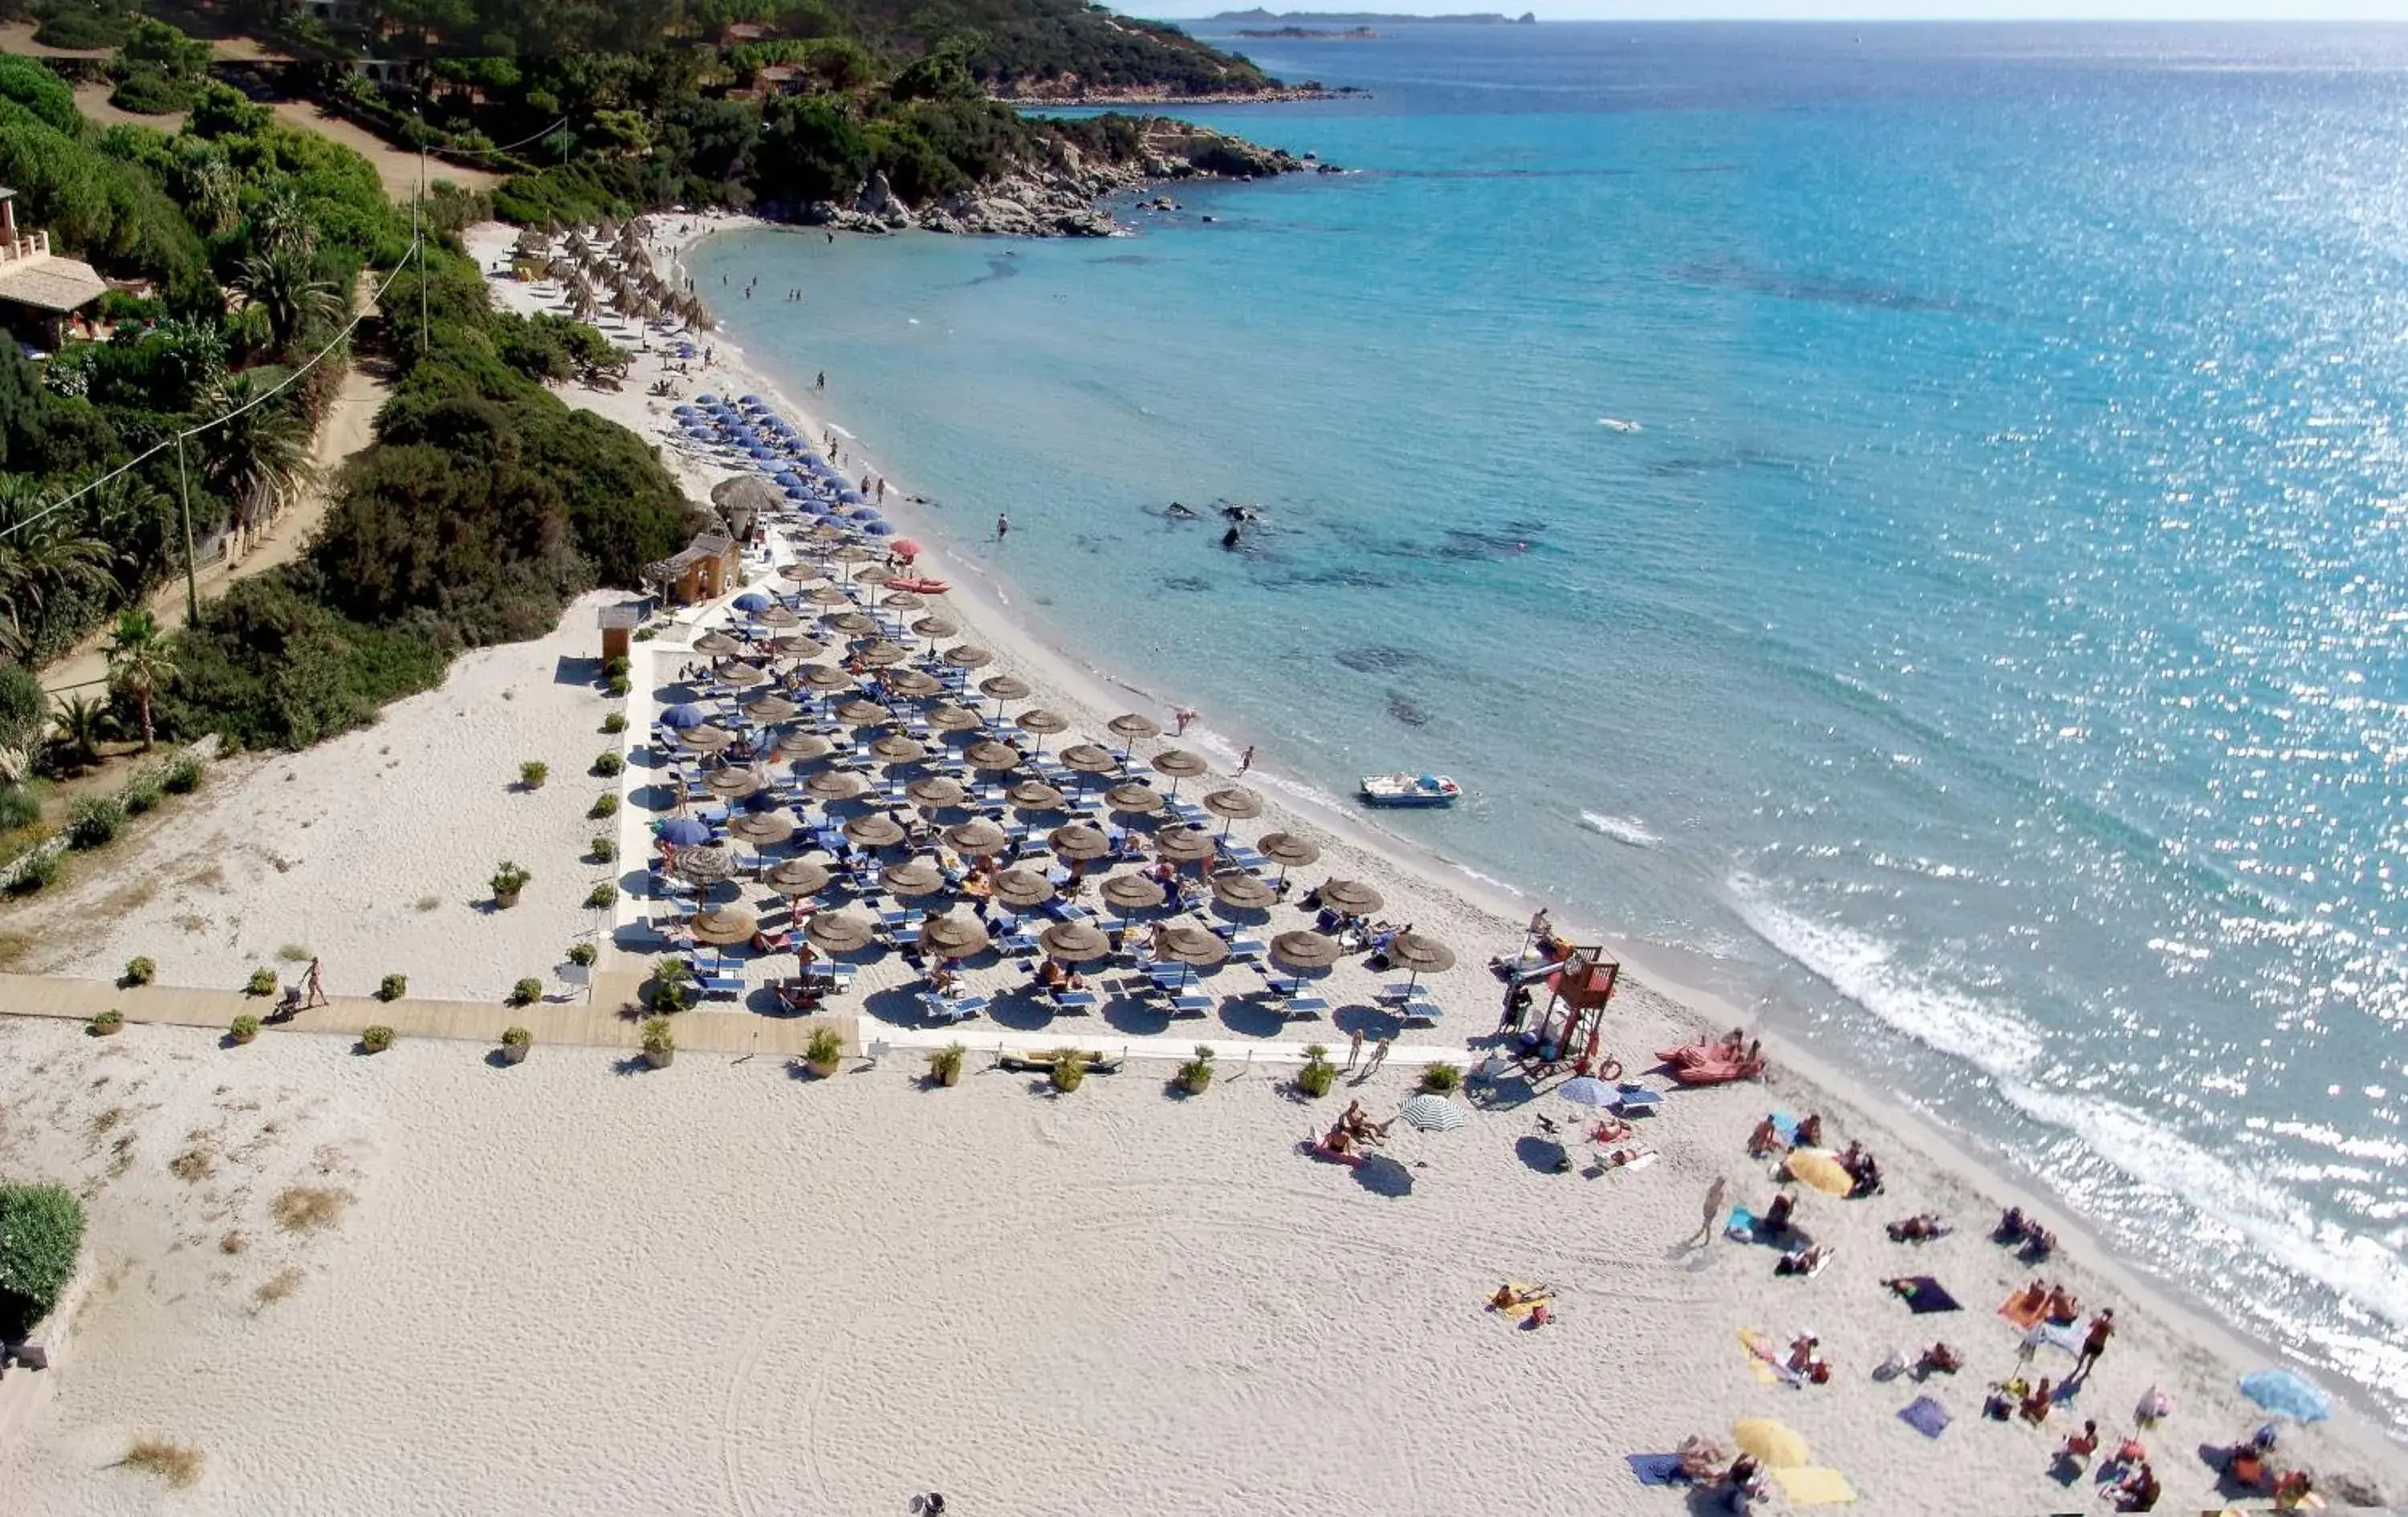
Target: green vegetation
392,987
139,971
945,1063
602,849
516,1037
660,1043
1197,1073
244,1029
672,987
94,821
607,764
107,1022
262,982
1443,1079
1317,1074
533,773
583,955
526,993
615,721
41,1230
602,896
509,880
606,804
823,1049
1069,1070
376,1038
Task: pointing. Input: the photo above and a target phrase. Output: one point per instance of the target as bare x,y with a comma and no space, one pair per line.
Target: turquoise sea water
1986,650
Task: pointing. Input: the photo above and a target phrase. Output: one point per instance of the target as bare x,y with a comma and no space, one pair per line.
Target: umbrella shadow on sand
1543,1154
1383,1176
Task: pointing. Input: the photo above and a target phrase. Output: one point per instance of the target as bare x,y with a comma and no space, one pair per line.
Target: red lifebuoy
1610,1069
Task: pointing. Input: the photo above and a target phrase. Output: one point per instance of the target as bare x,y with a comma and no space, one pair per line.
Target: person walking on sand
1178,721
2094,1346
317,988
1246,759
1002,526
1379,1057
1355,1048
1714,1195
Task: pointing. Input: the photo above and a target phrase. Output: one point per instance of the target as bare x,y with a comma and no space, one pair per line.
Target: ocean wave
1622,829
1985,1033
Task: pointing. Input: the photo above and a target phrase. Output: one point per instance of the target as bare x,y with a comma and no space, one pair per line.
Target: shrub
296,953
244,1029
139,971
262,982
645,635
107,1021
617,666
41,1228
604,805
1318,1073
526,992
672,986
509,880
517,1037
94,821
618,685
1069,1070
142,794
533,773
657,1037
583,955
174,1463
376,1040
607,764
615,721
183,775
392,987
602,896
825,1046
1442,1078
35,873
945,1063
1197,1073
603,849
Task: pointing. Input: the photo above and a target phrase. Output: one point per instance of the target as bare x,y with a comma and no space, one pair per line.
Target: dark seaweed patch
1380,658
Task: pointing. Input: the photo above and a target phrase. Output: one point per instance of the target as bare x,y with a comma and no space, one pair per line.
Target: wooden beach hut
704,571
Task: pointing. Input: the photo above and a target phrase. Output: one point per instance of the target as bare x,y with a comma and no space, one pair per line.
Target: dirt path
346,430
397,167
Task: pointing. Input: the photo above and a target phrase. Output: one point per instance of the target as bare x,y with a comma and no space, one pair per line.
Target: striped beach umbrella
1433,1113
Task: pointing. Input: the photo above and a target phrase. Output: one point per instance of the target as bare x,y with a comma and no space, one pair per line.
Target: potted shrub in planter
584,954
615,721
945,1063
139,971
603,896
515,1043
526,993
824,1050
108,1023
376,1040
508,881
1318,1073
603,849
1069,1070
392,987
1441,1078
244,1029
672,986
1197,1073
660,1044
607,764
533,773
262,982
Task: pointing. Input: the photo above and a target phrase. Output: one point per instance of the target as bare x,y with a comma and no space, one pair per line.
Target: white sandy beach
717,1288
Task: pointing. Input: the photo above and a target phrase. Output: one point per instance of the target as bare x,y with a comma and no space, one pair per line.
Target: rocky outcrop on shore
1060,198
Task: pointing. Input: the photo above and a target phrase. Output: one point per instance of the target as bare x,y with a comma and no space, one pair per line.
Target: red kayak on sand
918,586
1716,1071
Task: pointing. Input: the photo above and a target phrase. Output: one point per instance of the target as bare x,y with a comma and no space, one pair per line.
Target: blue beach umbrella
682,717
755,400
788,479
1587,1092
708,400
2287,1394
683,410
683,831
752,600
879,529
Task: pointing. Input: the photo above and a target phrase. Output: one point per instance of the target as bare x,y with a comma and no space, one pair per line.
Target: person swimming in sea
1231,538
1177,513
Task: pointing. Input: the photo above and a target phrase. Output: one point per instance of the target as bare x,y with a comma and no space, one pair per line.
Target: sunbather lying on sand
2035,1407
1939,1359
1766,1140
1702,1459
1805,1261
2062,1308
1509,1295
1918,1228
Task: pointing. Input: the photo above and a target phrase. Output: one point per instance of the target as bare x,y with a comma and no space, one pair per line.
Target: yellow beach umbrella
1776,1444
1819,1169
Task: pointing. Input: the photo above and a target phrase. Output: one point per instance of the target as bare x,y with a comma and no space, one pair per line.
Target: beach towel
2024,1309
1785,1124
2053,1336
1765,1358
1924,1415
1656,1469
1925,1295
1742,1227
1520,1312
1812,1485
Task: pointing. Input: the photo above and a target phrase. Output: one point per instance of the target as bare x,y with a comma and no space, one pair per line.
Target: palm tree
44,560
283,282
139,664
212,192
79,719
282,223
258,458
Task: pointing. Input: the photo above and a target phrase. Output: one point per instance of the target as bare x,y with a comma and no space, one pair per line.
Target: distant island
1310,34
1289,21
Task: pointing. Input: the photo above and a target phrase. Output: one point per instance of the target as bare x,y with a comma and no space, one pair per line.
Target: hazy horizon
1857,12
